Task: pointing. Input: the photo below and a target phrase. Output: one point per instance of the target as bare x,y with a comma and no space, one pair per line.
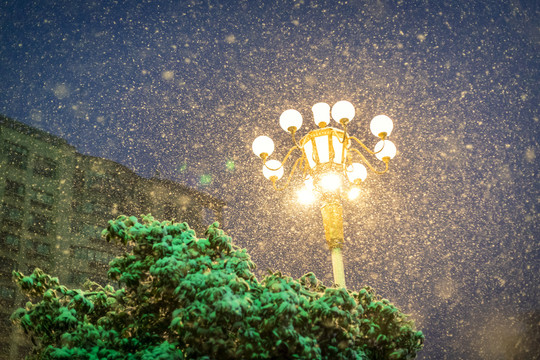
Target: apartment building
54,204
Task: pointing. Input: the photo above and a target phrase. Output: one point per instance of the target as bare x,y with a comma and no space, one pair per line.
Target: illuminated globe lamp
328,167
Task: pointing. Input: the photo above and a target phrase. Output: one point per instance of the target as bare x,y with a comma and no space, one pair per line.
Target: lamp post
327,164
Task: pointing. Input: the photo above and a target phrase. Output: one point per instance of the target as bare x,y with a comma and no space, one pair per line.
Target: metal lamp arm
369,165
284,159
344,141
294,140
290,175
365,147
305,172
344,133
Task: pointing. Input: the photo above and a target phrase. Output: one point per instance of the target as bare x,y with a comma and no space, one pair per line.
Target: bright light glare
306,196
354,193
330,182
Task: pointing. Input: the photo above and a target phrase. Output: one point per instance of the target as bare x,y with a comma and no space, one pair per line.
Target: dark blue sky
450,234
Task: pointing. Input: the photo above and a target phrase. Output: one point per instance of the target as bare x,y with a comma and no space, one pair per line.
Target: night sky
180,89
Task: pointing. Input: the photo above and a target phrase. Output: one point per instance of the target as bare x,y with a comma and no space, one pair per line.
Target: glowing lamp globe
290,119
321,114
385,149
263,146
343,111
381,126
356,171
273,169
353,193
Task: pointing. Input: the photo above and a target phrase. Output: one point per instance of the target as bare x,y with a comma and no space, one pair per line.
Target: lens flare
305,196
330,182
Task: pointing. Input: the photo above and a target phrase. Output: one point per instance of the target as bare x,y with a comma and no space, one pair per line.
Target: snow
450,233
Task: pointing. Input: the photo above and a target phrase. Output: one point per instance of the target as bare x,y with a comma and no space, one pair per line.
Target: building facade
54,204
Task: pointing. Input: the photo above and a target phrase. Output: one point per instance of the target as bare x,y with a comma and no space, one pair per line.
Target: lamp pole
332,215
328,167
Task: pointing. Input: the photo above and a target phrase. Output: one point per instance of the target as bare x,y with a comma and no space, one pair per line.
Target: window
7,295
44,167
117,194
16,154
41,224
12,215
14,189
42,248
97,256
41,198
77,278
92,231
87,207
6,265
12,242
75,226
80,253
95,181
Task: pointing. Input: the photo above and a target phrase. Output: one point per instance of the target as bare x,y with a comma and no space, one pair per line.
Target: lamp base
332,214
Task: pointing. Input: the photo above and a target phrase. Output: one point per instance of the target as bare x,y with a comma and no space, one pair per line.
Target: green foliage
186,298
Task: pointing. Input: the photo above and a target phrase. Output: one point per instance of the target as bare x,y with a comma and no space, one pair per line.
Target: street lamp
327,163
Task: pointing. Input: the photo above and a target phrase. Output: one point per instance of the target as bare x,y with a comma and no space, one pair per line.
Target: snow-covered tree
179,297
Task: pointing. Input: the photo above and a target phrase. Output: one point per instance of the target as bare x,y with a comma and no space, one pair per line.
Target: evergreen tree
180,297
